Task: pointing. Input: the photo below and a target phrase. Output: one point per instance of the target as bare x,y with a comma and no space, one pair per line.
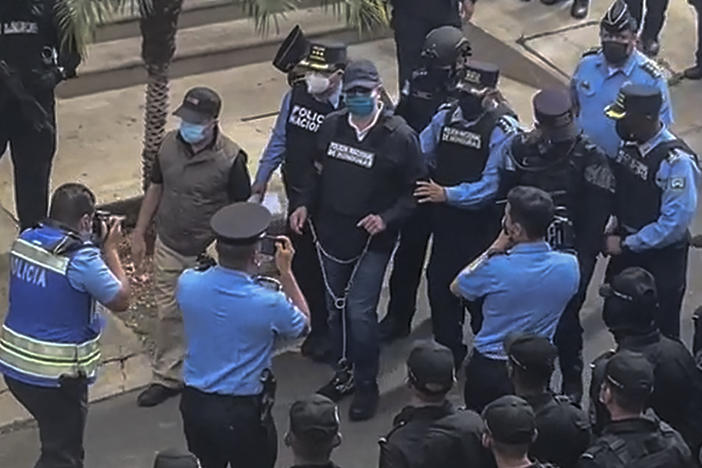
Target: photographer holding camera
49,350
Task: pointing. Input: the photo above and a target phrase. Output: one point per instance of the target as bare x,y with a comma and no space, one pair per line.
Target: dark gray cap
430,366
314,418
510,420
199,105
631,373
361,74
531,353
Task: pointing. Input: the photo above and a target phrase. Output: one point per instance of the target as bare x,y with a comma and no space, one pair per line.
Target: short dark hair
633,403
235,254
532,208
70,202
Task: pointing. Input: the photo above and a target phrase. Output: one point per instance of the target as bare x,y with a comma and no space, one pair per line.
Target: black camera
101,225
268,245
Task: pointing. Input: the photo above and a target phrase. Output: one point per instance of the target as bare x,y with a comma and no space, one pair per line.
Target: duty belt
46,359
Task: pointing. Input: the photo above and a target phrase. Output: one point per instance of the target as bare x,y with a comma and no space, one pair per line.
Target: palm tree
78,19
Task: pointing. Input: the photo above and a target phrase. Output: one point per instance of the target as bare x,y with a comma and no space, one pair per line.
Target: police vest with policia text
51,330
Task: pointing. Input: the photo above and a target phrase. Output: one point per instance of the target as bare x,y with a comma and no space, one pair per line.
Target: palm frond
267,13
77,19
365,15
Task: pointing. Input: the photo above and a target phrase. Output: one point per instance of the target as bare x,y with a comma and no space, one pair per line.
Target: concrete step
117,63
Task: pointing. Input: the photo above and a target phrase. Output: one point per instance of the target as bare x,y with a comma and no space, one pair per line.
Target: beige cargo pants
170,340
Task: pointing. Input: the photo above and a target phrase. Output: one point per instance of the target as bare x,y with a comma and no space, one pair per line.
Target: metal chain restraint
339,301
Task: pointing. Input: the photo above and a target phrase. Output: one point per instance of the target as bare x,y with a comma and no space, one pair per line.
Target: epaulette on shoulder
504,124
650,67
591,51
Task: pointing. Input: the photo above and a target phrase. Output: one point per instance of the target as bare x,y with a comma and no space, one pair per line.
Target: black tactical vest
636,180
464,148
352,169
558,176
26,27
423,98
306,115
661,447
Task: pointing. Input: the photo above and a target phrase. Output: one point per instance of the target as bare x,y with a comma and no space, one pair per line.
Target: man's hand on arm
429,192
284,254
120,301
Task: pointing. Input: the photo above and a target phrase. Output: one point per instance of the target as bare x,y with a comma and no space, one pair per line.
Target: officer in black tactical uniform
444,55
463,148
510,430
660,172
632,438
431,432
563,428
34,58
629,311
413,19
291,146
559,159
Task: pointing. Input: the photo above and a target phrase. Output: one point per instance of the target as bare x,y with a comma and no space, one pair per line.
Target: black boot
580,9
156,394
391,329
693,73
340,385
365,402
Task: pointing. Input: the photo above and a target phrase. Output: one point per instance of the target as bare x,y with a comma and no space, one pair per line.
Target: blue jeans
362,338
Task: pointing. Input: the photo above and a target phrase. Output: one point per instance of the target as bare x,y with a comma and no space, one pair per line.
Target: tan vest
194,188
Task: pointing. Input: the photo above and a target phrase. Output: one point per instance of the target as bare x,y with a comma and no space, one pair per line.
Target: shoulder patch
650,67
676,183
591,51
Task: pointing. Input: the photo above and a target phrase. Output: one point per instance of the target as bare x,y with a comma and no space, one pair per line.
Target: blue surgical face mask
192,133
360,105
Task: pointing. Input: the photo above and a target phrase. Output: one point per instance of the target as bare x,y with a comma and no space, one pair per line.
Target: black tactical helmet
444,45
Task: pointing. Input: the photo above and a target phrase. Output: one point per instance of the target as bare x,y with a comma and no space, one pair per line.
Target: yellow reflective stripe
45,369
39,256
49,359
48,350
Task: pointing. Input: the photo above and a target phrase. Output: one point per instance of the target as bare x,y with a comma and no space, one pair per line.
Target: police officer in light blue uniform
231,323
462,147
523,286
49,350
657,178
602,72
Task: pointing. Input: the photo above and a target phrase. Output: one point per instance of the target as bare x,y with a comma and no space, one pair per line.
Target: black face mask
616,53
626,131
471,105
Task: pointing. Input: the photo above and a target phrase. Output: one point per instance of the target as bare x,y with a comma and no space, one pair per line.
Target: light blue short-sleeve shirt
231,323
596,84
525,290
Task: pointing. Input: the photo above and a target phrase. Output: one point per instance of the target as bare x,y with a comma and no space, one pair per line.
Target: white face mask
317,83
